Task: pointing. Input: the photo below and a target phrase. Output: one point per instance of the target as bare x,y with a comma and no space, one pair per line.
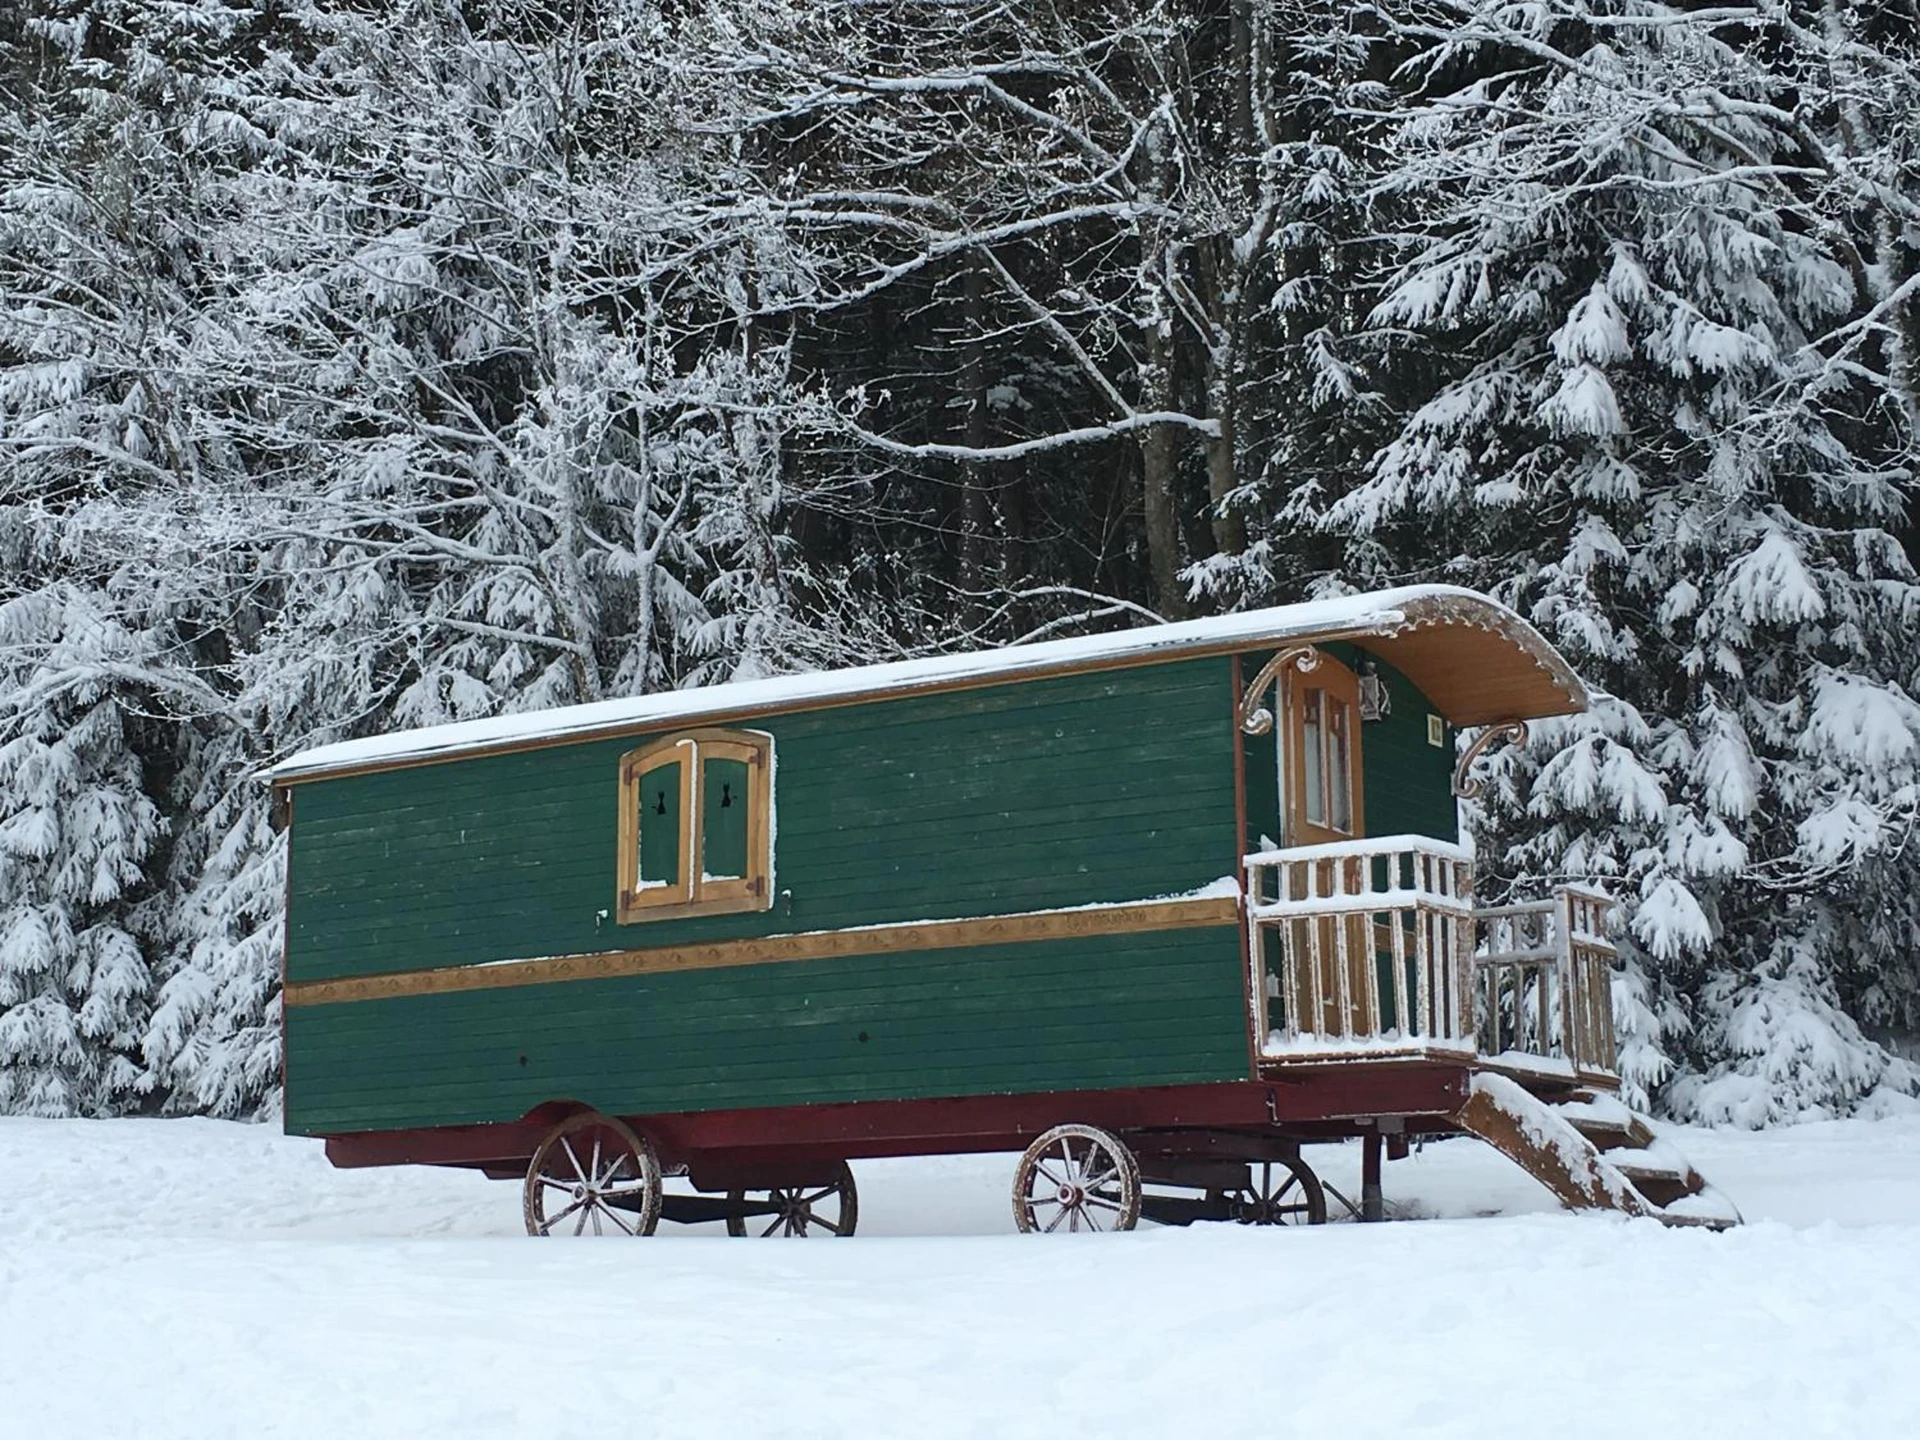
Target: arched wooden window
696,825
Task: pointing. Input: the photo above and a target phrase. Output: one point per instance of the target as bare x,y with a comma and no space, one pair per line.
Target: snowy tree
99,412
77,830
1646,391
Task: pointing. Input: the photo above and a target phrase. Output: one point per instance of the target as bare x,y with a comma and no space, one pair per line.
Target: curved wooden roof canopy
1475,660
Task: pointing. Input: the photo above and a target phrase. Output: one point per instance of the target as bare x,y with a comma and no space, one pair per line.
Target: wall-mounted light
1375,702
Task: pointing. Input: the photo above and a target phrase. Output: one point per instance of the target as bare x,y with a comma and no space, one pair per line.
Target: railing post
1564,978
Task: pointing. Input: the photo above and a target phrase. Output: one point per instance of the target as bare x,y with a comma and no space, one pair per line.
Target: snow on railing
1361,942
1544,977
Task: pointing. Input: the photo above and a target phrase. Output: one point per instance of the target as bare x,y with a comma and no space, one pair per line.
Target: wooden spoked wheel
1076,1177
593,1176
1282,1192
797,1210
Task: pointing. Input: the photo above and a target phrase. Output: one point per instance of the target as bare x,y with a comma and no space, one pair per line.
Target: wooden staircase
1592,1152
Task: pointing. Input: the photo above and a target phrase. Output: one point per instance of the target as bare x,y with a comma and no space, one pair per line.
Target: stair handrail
1565,970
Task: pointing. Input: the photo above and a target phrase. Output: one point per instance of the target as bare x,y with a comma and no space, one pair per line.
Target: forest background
367,365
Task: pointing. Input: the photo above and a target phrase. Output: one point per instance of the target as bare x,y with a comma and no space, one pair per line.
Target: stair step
1662,1193
1607,1137
1705,1208
1659,1172
1637,1167
1606,1122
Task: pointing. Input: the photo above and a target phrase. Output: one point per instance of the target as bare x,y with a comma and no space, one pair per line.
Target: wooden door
1321,762
1322,759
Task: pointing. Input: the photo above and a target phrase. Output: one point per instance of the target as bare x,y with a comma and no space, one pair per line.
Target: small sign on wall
1436,732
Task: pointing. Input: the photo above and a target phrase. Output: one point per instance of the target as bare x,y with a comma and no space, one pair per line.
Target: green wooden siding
1408,783
1266,817
1103,787
1105,1012
1107,786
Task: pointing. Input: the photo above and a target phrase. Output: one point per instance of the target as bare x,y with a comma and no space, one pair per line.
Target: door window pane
1339,765
1313,758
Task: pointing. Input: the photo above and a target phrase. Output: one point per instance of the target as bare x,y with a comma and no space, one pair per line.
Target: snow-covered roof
1475,660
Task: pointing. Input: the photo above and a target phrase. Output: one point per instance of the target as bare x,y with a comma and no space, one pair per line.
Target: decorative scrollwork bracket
1514,730
1255,718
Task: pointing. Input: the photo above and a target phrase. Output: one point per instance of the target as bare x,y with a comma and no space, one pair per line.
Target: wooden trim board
1023,928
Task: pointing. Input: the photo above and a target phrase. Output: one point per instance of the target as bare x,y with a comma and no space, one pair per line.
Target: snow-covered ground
199,1279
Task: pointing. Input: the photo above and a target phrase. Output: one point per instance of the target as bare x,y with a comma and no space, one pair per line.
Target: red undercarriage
724,1148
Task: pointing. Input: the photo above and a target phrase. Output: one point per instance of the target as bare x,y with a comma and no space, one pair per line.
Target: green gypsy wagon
1154,910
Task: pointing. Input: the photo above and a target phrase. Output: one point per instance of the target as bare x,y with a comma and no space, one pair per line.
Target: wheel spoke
559,1215
1054,1224
778,1221
1040,1168
579,1173
819,1195
1094,1181
614,1215
580,1225
827,1225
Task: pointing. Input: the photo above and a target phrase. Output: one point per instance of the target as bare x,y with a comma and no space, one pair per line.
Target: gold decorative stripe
1148,915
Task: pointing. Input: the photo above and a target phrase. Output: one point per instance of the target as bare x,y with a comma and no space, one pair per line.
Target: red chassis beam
1316,1104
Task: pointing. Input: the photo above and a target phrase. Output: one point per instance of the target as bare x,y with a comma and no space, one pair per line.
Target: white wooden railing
1377,944
1362,942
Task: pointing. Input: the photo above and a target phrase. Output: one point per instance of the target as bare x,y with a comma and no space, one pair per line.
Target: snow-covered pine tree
1647,390
78,833
99,411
